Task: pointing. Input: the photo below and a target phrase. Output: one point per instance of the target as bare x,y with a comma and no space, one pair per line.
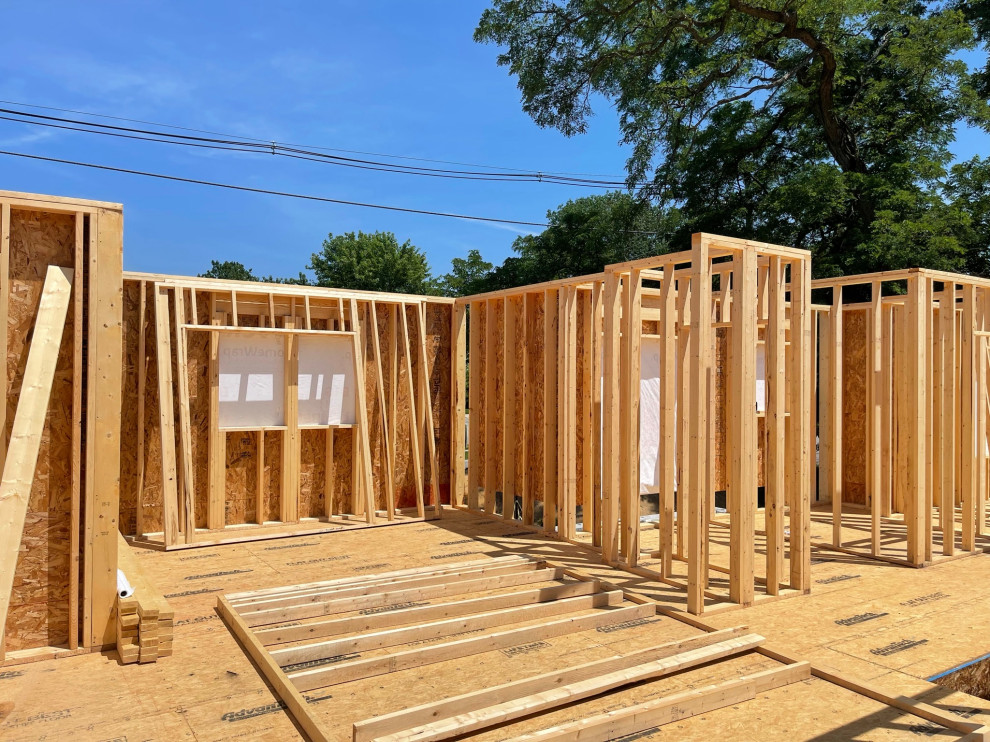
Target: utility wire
275,148
286,194
616,179
257,150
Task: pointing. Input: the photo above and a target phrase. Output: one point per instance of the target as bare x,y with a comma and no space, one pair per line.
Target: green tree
229,270
584,235
372,262
467,276
824,124
969,187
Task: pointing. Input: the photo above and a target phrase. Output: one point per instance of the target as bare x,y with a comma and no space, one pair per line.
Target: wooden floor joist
628,721
492,706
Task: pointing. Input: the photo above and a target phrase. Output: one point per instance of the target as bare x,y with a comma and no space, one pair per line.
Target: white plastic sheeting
326,380
649,410
252,380
649,416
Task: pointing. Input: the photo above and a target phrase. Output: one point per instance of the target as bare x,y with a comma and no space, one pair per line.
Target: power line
310,146
285,194
274,148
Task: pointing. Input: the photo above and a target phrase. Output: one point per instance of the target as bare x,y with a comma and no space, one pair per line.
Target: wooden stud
630,455
344,672
508,393
835,410
142,373
572,685
776,396
968,451
668,420
917,348
458,381
188,487
4,304
217,459
289,490
163,352
596,410
426,397
874,411
413,437
610,422
586,414
550,441
474,406
801,454
78,333
371,313
360,433
491,421
525,472
648,715
698,461
947,429
294,701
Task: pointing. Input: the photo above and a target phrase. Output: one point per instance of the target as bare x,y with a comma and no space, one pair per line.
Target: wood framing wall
555,419
64,578
186,480
903,413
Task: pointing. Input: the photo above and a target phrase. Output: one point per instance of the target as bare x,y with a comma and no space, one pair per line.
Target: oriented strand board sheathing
129,413
312,473
212,685
854,428
273,474
39,609
438,352
242,477
197,368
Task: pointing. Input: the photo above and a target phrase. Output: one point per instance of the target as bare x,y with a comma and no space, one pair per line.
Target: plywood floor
878,622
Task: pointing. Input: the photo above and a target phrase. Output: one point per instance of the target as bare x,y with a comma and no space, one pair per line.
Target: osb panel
405,480
273,474
242,449
38,613
854,446
242,478
129,409
343,463
438,350
312,472
153,498
198,379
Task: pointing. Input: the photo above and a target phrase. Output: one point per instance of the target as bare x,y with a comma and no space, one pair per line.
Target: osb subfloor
872,621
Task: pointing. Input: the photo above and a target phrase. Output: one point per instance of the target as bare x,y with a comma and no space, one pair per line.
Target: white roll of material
124,588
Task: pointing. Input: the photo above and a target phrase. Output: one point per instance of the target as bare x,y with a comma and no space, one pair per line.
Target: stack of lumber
144,620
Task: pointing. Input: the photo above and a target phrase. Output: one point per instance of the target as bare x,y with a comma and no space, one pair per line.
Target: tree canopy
584,235
229,270
372,262
823,124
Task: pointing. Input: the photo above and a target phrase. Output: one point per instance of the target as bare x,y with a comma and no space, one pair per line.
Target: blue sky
403,78
391,77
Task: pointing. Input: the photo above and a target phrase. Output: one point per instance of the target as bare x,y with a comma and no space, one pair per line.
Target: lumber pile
145,619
